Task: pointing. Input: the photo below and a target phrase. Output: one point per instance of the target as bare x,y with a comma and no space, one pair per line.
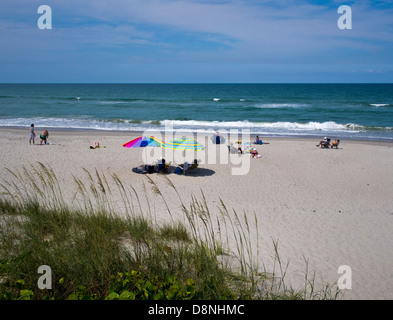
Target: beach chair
335,144
325,144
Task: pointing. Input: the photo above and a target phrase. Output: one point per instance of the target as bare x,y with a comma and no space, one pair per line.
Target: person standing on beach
44,136
32,134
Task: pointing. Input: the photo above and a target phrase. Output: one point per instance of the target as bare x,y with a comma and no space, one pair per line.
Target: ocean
344,111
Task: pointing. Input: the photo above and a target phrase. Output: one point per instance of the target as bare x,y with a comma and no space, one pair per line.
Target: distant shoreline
113,132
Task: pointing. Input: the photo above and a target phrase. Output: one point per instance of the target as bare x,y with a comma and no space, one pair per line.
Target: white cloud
199,31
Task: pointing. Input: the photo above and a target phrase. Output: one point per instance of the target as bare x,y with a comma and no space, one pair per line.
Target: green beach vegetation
96,253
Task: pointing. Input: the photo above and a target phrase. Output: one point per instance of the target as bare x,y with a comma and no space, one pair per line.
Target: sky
196,41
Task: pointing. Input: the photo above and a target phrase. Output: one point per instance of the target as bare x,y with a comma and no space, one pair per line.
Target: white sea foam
281,127
280,105
119,102
196,123
310,126
379,104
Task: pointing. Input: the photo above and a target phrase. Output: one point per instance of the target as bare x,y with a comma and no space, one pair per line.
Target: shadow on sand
197,172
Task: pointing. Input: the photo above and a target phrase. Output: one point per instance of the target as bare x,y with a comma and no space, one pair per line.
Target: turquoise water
358,111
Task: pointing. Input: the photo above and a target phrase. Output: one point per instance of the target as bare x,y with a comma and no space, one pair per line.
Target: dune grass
95,252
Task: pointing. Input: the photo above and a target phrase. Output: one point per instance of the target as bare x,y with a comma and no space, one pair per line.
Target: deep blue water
359,111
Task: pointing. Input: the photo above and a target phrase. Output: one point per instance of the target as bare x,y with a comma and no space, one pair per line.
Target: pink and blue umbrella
144,141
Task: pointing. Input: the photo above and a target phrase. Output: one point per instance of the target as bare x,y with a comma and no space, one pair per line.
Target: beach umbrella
184,145
142,142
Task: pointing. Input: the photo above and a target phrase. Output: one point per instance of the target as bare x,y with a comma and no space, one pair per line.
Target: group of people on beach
43,136
325,143
253,151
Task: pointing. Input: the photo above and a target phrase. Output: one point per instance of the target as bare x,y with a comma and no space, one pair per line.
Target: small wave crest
379,104
280,105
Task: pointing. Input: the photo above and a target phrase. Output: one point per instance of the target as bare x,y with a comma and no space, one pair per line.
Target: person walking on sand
44,136
32,134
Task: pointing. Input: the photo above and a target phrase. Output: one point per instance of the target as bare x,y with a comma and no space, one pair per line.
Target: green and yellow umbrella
188,148
184,144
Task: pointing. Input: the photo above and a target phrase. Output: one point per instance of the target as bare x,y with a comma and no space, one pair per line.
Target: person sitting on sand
95,145
44,136
254,153
257,140
323,143
194,165
162,165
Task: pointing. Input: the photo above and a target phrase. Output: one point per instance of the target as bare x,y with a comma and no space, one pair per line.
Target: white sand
329,207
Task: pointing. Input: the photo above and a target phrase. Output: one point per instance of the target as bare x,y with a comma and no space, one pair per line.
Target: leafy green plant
15,291
81,294
134,285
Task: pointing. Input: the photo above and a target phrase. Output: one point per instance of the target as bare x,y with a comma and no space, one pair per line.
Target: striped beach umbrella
184,144
188,147
144,141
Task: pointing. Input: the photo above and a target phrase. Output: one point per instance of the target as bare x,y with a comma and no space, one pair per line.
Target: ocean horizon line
181,83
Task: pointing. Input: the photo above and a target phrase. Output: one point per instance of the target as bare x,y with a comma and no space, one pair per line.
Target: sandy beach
329,207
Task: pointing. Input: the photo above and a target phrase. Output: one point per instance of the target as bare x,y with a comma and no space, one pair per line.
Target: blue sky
203,41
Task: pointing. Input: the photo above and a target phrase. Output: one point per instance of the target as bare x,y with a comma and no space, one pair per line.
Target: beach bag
178,170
